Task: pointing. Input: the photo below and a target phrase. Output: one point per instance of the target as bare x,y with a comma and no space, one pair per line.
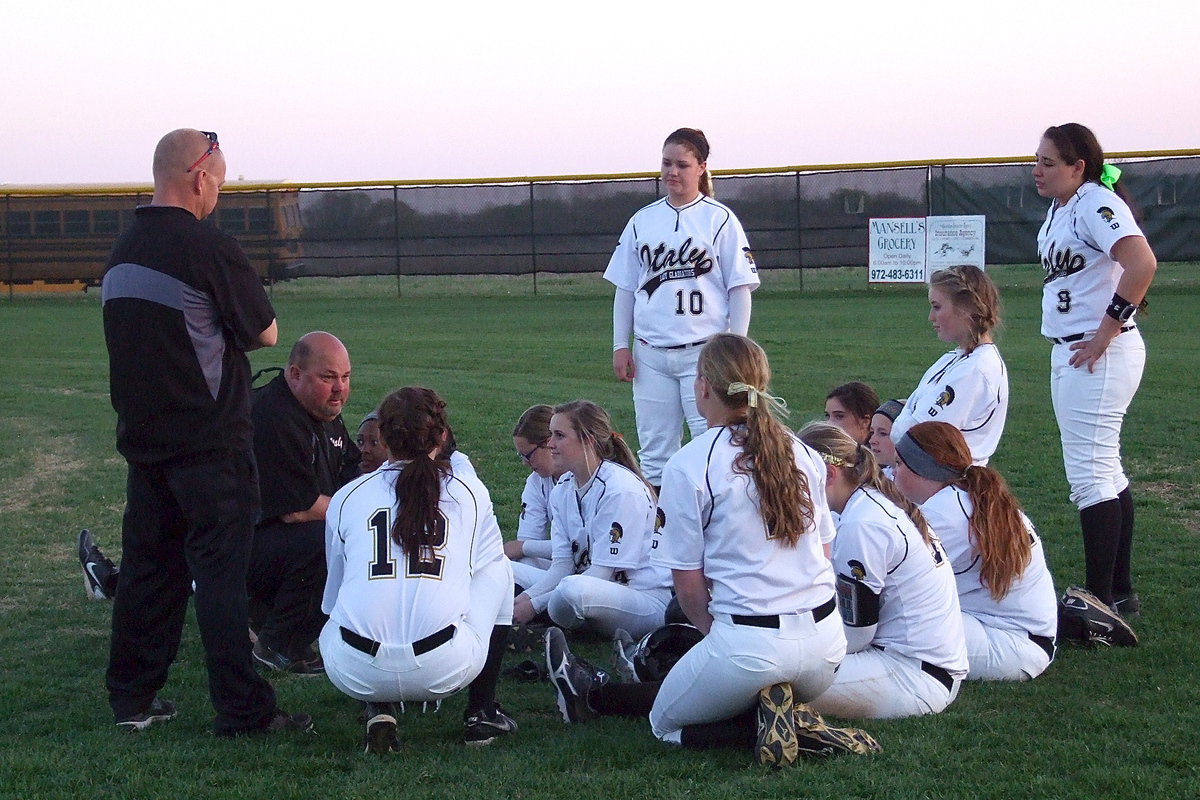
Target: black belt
772,621
674,346
1076,337
420,647
939,674
1044,642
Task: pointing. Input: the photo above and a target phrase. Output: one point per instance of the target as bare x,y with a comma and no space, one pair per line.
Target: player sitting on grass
904,639
742,509
1004,588
603,518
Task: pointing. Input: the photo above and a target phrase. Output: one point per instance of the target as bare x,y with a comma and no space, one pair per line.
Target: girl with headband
904,633
1010,616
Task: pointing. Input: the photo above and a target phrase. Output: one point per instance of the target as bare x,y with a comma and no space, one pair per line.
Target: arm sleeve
622,318
539,593
597,571
618,532
537,548
739,310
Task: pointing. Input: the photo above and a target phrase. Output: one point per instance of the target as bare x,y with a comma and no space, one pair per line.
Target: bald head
318,374
196,191
177,151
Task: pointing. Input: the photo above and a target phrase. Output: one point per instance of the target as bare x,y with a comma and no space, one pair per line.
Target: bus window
75,222
104,220
46,223
19,223
257,220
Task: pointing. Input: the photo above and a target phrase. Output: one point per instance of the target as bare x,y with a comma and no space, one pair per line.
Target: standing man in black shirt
305,454
182,305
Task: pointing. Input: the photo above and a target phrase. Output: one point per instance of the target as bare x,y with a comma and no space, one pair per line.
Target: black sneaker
816,738
380,738
157,711
277,661
573,678
484,725
1085,619
775,744
99,573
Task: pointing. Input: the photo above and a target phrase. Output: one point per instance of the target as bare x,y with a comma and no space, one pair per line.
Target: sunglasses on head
213,144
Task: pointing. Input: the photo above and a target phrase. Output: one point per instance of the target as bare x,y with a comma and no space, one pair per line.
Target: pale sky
425,89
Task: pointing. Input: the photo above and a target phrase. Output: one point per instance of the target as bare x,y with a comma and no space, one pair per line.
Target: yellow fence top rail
259,186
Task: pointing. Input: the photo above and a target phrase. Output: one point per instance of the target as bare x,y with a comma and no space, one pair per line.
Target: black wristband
1120,309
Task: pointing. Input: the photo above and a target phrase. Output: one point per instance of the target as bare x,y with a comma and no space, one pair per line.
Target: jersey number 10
695,303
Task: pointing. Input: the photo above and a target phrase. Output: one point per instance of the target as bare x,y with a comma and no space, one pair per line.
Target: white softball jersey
384,594
608,522
710,520
1030,607
966,390
1075,245
534,522
878,545
681,263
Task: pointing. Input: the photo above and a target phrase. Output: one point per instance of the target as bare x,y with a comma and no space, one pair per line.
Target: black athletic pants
188,521
287,579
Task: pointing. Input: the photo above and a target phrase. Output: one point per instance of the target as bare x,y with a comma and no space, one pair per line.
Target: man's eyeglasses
213,144
526,456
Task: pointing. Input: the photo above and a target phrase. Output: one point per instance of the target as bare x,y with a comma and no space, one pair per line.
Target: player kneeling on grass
1009,611
602,517
904,635
419,594
743,509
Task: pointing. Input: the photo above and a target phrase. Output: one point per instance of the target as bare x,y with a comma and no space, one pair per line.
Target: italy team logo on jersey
669,264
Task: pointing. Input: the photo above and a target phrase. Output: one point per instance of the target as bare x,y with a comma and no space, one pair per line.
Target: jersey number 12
426,562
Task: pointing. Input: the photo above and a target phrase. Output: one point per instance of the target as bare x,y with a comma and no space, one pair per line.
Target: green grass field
1098,724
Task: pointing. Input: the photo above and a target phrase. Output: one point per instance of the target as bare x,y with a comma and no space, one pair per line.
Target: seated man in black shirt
304,455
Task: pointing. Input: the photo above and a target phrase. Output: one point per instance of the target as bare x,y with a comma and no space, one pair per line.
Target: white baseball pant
664,396
1002,655
395,673
604,606
721,676
1090,407
876,684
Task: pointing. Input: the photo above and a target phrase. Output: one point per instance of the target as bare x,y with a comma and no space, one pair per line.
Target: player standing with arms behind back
1098,268
684,272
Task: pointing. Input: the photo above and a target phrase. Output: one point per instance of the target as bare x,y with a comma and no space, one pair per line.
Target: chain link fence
802,218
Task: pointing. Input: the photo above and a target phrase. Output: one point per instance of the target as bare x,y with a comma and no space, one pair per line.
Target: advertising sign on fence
950,241
909,249
897,250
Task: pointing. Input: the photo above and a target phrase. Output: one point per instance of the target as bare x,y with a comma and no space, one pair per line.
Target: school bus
59,236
